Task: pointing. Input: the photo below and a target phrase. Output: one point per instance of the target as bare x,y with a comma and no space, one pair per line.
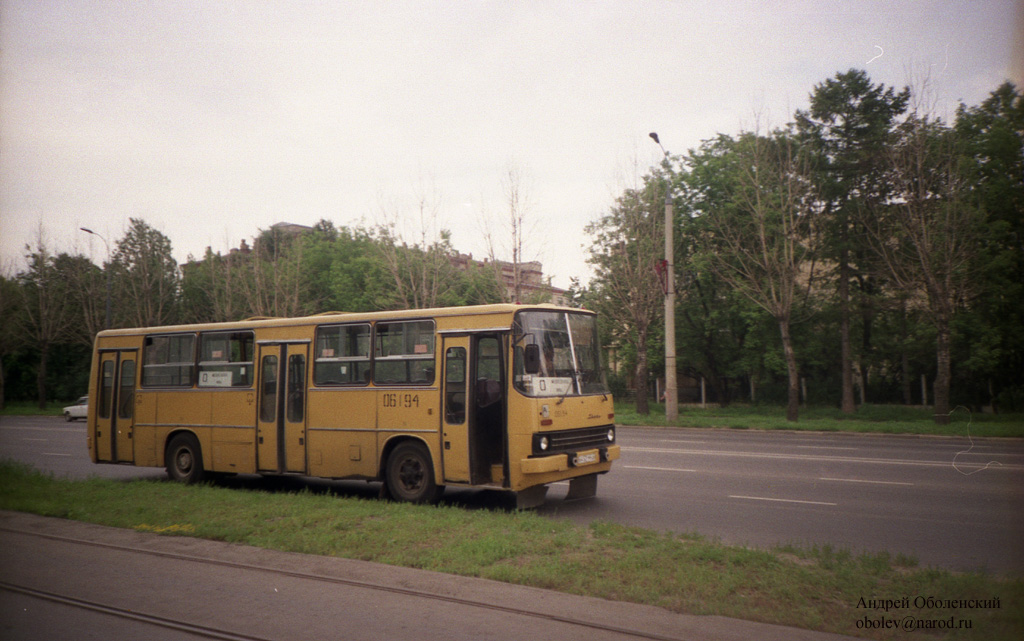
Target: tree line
53,308
864,252
861,247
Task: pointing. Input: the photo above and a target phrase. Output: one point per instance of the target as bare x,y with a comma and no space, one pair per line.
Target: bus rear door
115,407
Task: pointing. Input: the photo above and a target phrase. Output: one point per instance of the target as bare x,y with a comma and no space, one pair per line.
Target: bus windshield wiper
574,382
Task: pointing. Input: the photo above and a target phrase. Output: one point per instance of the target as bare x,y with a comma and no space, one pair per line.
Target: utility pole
671,386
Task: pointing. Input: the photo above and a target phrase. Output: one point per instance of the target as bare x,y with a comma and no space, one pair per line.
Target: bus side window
342,355
106,389
488,372
455,385
226,359
404,353
296,387
126,395
268,390
169,361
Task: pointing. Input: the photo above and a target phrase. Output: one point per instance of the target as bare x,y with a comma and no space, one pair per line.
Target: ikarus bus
507,397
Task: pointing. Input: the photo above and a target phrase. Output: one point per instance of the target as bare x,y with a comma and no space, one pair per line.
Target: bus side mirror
531,358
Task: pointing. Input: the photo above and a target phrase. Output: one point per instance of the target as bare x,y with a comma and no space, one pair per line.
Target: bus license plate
585,459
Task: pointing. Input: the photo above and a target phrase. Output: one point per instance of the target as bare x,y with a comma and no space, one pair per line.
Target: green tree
146,279
848,126
351,276
992,139
11,310
627,245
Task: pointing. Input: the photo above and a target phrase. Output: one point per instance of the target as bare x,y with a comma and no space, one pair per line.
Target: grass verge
818,588
886,419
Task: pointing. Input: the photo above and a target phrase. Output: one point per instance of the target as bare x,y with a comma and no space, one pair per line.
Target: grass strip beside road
818,589
885,419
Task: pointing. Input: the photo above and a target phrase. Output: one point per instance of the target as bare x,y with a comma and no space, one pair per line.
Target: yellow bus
506,397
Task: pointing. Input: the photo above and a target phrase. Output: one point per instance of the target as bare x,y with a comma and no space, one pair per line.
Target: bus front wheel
410,475
184,459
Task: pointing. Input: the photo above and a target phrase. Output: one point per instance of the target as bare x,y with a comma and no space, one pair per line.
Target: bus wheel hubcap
184,460
411,474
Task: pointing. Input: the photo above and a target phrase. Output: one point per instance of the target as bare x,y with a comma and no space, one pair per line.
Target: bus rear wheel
410,475
184,459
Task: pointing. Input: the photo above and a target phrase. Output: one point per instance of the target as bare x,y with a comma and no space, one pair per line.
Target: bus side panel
234,435
342,438
145,429
185,407
415,411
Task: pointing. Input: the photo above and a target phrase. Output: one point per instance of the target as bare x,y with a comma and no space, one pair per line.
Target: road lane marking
55,454
823,478
659,469
825,447
42,440
765,498
808,457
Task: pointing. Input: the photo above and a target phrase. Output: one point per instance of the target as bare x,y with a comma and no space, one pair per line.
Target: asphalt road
947,502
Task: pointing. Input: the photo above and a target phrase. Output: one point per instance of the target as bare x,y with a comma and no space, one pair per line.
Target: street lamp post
106,324
671,386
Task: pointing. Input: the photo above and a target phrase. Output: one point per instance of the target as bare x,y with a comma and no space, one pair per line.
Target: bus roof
335,317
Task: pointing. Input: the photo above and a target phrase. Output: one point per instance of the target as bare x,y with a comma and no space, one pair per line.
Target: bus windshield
570,356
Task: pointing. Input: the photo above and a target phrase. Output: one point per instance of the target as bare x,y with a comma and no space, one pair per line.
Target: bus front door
281,416
115,407
455,445
474,410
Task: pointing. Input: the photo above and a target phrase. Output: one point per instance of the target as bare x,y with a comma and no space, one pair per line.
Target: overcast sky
212,120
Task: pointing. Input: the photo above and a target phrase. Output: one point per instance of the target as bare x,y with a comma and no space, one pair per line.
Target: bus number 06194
400,400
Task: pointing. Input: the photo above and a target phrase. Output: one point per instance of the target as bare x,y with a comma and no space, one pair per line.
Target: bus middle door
281,417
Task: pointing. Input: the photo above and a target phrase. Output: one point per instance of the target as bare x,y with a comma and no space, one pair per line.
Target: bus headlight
542,443
611,434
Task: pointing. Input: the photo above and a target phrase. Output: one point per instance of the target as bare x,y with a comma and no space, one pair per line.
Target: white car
79,410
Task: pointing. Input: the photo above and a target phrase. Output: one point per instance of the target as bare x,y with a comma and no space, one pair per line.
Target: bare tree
271,276
928,236
48,314
88,292
516,231
759,234
212,287
422,270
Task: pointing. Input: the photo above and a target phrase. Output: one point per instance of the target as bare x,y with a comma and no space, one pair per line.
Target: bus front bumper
564,461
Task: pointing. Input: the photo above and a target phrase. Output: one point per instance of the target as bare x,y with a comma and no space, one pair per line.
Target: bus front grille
574,440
